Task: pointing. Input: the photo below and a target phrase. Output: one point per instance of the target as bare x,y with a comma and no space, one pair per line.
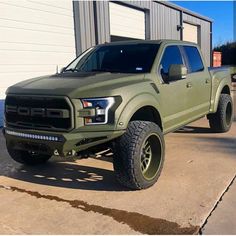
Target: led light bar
33,136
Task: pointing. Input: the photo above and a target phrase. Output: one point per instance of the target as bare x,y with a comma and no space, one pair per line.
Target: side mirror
234,77
177,72
62,69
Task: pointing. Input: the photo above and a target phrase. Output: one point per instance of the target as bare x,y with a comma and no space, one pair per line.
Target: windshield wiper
106,70
72,70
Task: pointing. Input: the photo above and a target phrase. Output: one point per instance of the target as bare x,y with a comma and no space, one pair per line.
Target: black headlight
96,110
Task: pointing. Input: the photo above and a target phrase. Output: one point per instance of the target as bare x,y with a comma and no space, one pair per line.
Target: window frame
161,57
187,61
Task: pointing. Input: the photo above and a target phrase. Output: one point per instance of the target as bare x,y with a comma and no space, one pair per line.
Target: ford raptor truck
122,95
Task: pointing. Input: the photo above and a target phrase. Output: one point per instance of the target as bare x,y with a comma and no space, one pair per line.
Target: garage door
35,37
190,33
126,22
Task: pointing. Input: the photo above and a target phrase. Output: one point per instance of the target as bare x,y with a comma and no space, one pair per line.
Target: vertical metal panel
204,35
160,17
84,25
103,21
162,23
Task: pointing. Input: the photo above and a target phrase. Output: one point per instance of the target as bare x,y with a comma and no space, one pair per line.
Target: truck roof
141,41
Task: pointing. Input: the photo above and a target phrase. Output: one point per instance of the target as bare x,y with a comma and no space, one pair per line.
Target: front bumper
64,144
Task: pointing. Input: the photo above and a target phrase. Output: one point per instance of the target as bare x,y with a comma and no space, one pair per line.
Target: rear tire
139,155
27,158
221,121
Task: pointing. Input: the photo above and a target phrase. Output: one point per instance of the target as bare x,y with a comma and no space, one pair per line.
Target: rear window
194,59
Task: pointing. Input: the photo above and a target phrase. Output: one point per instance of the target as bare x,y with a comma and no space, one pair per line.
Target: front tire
221,121
139,155
27,158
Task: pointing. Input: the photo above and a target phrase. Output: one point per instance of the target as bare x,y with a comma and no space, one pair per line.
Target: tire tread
217,120
125,150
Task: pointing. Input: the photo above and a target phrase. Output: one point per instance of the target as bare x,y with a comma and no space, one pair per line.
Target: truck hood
73,84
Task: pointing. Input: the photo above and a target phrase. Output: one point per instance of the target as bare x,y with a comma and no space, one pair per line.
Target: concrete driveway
82,197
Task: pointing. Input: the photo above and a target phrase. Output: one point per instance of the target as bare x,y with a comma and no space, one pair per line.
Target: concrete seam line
216,204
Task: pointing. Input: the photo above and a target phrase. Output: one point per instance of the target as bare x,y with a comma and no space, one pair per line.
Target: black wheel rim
151,156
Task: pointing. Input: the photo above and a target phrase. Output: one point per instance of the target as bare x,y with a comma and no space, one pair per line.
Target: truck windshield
127,58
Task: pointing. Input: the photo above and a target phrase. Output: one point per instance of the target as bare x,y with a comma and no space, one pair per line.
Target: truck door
198,83
173,93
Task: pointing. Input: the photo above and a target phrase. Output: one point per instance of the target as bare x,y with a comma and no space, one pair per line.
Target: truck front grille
38,112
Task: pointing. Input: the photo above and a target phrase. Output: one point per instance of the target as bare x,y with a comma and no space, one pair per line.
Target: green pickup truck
122,95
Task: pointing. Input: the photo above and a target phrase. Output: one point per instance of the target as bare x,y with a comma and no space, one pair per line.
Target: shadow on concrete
68,175
61,172
105,155
194,130
224,145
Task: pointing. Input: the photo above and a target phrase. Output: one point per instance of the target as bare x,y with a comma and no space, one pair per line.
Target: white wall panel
126,21
190,33
35,37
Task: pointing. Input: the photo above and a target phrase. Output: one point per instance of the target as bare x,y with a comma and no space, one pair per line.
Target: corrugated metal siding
35,37
161,24
84,25
103,23
140,4
164,21
205,35
160,16
132,27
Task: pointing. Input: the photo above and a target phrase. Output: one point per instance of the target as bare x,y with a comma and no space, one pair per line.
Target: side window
171,56
194,59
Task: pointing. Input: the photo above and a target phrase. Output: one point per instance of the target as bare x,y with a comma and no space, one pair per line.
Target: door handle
207,81
189,85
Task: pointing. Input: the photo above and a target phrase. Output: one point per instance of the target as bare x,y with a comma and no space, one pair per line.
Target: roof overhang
184,10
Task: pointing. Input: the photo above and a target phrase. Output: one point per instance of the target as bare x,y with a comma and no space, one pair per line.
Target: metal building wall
205,35
84,25
163,22
103,22
93,27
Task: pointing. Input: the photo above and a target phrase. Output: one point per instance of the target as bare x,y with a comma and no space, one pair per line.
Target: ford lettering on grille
39,112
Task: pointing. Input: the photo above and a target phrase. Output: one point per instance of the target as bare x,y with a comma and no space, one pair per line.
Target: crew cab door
198,83
173,92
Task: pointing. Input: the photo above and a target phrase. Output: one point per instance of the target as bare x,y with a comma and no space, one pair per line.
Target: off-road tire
221,121
128,151
27,158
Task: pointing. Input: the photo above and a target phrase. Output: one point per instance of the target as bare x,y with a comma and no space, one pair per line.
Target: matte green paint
178,103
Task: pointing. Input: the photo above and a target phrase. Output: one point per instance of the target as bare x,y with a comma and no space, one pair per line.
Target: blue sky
223,14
